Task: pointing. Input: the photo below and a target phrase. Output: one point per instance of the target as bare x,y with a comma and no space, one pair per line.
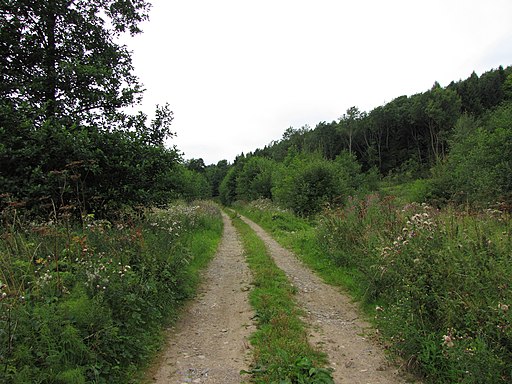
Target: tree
350,124
255,179
196,165
442,111
479,167
60,61
64,84
326,139
215,174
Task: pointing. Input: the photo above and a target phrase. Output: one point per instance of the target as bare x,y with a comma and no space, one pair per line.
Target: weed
436,282
86,303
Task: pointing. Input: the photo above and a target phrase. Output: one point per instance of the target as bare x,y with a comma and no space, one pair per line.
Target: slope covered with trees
446,135
408,207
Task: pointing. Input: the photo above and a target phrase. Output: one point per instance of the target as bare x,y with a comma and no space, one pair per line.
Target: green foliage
255,179
189,184
437,282
281,350
478,168
307,183
227,188
60,62
82,170
68,147
440,279
86,304
412,129
215,174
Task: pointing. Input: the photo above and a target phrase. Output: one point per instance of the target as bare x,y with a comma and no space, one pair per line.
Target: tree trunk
51,62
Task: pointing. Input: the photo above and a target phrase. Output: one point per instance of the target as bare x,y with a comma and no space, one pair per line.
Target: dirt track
335,326
210,342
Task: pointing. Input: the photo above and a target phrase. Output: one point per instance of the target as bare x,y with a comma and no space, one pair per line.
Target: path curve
335,326
209,344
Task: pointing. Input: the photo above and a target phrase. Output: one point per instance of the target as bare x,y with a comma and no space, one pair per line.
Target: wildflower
448,341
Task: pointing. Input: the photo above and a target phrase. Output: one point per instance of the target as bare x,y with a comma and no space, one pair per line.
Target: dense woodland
82,182
458,137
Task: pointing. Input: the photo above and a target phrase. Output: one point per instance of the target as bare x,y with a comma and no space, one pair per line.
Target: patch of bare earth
209,344
335,325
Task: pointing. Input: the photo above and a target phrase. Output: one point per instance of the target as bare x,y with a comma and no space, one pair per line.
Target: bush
307,184
441,280
478,168
86,304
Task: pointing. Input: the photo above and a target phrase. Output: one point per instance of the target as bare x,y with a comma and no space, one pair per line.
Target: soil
335,325
210,342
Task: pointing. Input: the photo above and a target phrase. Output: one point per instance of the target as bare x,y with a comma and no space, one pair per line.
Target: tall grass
85,303
439,282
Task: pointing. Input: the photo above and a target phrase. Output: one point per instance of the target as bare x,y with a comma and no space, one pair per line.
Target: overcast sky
237,73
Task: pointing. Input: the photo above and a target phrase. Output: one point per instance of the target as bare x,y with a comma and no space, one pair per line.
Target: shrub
478,168
85,304
441,279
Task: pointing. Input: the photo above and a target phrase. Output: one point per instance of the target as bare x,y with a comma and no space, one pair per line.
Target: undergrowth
85,304
282,353
436,282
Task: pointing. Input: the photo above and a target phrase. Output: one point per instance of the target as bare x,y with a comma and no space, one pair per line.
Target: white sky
237,73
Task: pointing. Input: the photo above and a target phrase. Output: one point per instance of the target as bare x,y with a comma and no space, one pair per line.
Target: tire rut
334,324
209,343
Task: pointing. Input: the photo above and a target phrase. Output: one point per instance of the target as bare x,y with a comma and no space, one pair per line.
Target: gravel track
210,342
335,326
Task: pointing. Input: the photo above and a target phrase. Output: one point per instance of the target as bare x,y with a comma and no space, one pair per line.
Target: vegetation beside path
435,282
86,304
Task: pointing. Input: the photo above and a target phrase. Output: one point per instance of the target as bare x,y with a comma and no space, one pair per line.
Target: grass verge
436,283
282,353
300,236
81,304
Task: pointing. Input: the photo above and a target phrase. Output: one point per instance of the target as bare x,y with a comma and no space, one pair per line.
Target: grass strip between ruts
282,353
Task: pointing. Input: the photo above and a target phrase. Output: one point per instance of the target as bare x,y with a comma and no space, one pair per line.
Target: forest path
209,343
335,326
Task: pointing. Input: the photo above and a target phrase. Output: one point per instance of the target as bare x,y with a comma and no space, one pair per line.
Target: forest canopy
67,143
457,138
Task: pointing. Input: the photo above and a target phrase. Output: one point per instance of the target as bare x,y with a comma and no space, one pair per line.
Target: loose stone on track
209,344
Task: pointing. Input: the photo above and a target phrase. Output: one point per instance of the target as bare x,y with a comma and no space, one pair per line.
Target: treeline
411,132
458,137
67,144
